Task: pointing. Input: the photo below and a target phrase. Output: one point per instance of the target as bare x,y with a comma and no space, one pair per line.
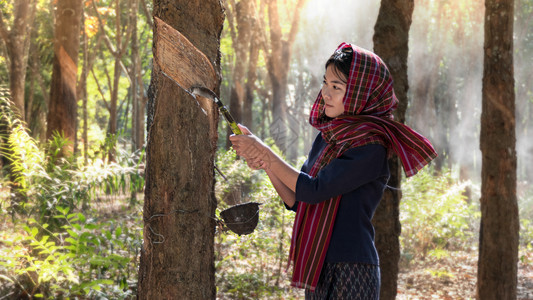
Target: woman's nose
325,92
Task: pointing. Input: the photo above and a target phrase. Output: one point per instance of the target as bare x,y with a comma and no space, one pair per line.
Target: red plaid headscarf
368,105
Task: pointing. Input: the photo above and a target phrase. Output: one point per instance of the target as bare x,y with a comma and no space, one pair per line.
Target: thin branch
125,43
100,90
295,21
148,15
125,70
263,40
101,24
109,84
231,19
92,55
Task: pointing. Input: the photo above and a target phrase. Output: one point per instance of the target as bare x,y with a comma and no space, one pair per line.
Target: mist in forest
445,69
326,24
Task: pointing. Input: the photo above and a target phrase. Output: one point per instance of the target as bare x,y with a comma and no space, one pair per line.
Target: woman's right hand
250,147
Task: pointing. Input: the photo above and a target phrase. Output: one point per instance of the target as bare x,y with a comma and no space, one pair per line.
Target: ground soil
454,277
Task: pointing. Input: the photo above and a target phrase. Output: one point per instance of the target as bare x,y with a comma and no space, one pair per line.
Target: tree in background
279,54
498,241
122,40
17,40
177,257
62,113
137,87
391,37
240,21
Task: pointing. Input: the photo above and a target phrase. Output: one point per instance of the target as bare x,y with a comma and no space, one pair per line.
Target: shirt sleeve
356,167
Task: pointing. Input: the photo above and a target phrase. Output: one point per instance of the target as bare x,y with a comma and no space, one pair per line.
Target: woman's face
333,90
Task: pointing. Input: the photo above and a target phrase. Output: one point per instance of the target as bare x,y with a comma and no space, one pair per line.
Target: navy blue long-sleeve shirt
360,175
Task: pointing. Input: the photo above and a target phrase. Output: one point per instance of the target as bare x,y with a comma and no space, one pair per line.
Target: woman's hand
256,164
250,147
260,156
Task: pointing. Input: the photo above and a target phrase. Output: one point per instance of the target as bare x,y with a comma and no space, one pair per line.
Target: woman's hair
341,61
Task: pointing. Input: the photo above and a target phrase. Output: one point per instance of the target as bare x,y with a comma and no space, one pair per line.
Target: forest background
71,224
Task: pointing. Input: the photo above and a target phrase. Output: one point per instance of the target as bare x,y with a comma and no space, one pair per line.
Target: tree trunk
118,50
136,90
391,36
177,258
498,241
250,81
62,113
278,62
241,40
17,43
82,91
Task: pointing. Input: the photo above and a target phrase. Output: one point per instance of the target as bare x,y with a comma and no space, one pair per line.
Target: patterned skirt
347,281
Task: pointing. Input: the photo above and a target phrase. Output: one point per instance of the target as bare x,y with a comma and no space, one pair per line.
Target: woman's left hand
256,164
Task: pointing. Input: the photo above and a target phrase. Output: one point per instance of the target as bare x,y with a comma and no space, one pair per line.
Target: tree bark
82,93
17,43
250,81
177,257
498,241
62,113
136,89
240,35
391,36
278,62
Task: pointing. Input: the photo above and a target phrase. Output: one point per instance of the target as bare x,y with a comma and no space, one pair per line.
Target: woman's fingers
250,147
244,129
247,145
255,163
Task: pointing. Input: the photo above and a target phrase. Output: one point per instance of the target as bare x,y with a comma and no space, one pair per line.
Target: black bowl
241,218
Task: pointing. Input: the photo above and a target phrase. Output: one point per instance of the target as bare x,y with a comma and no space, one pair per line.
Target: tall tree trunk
177,258
17,43
62,113
278,62
240,35
250,81
82,90
391,36
498,241
135,70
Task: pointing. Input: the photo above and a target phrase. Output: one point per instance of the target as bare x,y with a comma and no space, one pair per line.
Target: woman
340,185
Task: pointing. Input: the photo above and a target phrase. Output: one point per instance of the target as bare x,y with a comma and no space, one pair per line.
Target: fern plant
435,213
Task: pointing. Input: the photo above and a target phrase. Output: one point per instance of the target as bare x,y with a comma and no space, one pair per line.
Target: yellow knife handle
232,124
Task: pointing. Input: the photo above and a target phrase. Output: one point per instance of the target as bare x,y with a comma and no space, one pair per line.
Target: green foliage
58,181
62,252
435,214
252,266
46,178
82,259
525,205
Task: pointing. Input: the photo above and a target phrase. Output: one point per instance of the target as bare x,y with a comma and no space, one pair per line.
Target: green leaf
81,218
72,233
91,226
44,239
